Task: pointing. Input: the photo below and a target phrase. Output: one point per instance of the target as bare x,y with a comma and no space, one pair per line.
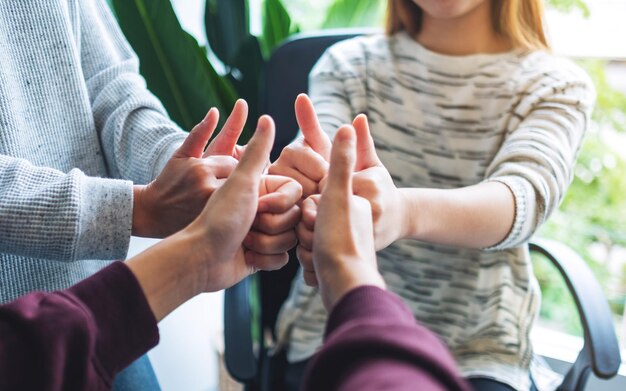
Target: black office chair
286,75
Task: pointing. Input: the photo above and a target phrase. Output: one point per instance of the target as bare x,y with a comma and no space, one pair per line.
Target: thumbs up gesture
182,189
371,181
305,159
344,256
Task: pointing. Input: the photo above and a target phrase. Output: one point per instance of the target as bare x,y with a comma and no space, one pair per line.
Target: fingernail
208,114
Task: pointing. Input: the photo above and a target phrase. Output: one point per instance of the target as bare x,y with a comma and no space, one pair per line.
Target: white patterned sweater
74,112
447,122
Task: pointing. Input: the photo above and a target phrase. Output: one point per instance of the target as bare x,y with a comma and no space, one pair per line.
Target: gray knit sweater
74,112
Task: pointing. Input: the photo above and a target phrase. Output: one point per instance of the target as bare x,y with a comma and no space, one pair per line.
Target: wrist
407,218
167,274
141,214
343,279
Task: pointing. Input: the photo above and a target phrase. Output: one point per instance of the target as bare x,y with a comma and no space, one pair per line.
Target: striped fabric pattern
447,122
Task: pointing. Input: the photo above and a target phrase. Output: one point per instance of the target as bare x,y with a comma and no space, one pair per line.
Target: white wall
186,357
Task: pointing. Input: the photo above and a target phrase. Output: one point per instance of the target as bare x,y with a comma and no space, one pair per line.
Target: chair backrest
286,76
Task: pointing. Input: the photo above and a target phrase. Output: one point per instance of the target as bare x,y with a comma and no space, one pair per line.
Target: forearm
393,351
91,331
48,214
165,276
476,216
136,135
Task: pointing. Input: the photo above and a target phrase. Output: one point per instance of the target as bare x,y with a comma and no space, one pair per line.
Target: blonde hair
520,21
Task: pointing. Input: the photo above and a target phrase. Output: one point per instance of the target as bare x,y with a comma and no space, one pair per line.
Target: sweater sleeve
76,339
135,131
536,160
48,214
373,343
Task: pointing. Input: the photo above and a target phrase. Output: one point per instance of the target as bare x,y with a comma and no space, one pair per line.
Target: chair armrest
241,362
601,350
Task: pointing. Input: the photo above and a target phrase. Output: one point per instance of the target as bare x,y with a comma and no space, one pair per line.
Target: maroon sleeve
76,339
373,343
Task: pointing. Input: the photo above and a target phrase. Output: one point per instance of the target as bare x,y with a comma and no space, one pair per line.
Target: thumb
342,160
257,152
309,125
366,156
199,136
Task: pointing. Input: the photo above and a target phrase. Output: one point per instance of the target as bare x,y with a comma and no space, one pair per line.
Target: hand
208,255
181,191
218,233
273,230
344,256
306,159
373,182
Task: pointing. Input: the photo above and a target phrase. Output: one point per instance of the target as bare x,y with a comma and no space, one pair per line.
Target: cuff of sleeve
105,219
368,302
126,325
170,145
524,220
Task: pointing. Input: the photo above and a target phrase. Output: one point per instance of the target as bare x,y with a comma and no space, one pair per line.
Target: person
88,156
476,127
83,335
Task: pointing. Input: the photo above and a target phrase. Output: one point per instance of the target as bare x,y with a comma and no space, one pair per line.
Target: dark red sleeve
76,339
373,343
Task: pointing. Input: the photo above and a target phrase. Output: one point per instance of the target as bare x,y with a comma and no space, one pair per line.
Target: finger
224,143
266,262
366,156
305,236
198,137
239,151
304,159
220,166
308,186
310,126
342,160
273,224
305,257
310,278
278,194
309,211
270,244
253,162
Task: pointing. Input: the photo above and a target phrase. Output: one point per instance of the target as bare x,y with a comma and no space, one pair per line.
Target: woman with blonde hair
476,127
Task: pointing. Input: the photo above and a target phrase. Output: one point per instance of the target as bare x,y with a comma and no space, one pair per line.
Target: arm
89,332
79,338
136,134
372,341
524,183
47,214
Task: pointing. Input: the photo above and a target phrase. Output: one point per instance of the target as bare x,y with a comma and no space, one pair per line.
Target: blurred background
592,217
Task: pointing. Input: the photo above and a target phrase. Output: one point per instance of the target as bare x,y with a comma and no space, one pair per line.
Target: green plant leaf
353,13
173,64
277,25
227,24
570,5
245,74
